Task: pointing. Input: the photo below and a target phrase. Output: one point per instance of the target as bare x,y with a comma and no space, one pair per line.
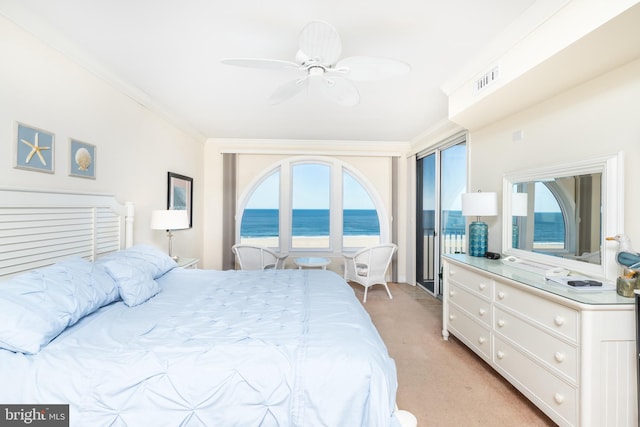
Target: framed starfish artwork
82,160
34,149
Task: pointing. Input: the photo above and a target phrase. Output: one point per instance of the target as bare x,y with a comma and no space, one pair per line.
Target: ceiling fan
317,60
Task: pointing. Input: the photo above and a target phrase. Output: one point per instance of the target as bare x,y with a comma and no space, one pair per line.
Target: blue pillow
134,279
37,306
148,257
134,270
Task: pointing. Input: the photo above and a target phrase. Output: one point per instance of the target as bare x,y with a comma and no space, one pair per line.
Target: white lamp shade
480,204
169,220
519,204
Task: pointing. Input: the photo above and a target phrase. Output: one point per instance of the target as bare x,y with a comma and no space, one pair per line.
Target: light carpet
442,383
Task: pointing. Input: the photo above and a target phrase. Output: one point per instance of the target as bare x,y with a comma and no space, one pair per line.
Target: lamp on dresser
169,220
479,204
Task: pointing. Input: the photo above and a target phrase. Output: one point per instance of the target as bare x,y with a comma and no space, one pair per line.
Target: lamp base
478,238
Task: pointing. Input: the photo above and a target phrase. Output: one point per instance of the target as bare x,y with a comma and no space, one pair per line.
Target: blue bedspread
213,348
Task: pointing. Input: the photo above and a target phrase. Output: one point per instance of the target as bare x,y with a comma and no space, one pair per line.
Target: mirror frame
612,169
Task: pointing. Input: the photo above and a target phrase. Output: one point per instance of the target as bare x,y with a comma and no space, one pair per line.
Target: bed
126,338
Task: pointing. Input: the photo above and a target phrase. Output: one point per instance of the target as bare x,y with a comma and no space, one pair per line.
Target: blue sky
310,190
454,163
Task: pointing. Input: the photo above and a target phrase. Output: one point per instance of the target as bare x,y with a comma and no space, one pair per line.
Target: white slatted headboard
39,228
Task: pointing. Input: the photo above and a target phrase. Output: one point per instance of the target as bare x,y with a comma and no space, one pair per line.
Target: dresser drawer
471,280
475,306
553,395
552,351
558,318
469,331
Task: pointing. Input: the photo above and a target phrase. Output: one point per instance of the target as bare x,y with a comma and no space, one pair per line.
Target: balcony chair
369,266
258,258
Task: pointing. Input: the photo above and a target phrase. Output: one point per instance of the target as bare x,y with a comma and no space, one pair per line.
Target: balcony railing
450,243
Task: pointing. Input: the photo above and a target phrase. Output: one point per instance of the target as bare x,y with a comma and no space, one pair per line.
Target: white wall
135,147
595,118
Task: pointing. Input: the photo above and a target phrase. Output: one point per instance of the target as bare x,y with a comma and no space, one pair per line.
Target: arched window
549,220
311,204
260,220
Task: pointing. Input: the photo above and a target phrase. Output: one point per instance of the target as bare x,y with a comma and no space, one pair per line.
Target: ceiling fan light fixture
316,71
319,49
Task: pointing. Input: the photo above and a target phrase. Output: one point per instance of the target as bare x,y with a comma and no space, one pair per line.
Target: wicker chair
258,258
369,266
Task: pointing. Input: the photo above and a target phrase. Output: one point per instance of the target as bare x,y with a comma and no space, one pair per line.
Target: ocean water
309,222
549,226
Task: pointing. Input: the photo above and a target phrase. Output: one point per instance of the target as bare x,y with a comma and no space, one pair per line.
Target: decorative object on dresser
479,204
34,149
82,159
570,351
180,194
169,220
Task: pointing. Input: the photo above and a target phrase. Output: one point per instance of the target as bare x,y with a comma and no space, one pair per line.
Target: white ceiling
166,53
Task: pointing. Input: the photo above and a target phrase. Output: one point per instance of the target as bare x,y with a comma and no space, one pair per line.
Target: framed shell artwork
82,161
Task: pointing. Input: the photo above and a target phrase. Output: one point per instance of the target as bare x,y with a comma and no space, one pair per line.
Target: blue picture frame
82,159
35,149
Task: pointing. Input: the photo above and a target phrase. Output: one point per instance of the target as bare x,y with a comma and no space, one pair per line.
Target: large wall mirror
560,215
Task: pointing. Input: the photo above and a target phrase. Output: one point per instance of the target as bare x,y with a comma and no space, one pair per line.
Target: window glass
302,202
261,217
310,202
360,224
549,231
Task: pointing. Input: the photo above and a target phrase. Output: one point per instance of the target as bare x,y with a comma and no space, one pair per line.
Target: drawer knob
558,398
482,286
451,293
500,354
482,340
558,320
482,312
559,357
452,317
501,323
501,295
452,272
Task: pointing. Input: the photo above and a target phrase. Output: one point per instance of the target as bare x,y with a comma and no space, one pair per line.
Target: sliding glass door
441,179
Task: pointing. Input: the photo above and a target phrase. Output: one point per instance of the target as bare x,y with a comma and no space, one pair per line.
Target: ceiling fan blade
342,91
370,68
288,90
320,41
269,64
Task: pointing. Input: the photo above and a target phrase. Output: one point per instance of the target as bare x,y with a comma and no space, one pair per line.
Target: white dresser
571,352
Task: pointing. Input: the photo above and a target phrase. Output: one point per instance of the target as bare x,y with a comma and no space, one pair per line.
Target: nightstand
188,262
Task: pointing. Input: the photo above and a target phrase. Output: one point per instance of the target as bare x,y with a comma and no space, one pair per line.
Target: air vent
488,78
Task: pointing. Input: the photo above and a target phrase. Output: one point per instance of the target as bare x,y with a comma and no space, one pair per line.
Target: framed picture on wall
180,194
34,149
82,160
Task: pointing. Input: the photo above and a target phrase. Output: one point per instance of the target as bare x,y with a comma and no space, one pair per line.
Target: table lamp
518,208
479,204
169,220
